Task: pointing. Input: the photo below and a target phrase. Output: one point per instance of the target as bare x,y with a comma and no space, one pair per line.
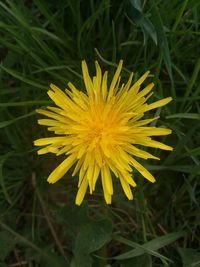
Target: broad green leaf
74,217
53,260
91,237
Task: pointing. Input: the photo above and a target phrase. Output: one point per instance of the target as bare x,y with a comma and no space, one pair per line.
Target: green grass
44,41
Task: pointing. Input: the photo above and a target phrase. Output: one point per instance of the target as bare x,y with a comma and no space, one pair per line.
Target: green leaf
190,257
143,20
53,260
162,39
22,78
149,247
3,159
9,122
7,244
192,116
144,261
25,103
23,241
91,237
75,217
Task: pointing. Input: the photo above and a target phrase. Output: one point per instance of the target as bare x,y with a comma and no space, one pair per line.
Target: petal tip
78,203
50,180
52,86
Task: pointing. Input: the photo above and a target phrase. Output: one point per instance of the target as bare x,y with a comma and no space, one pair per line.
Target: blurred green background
44,41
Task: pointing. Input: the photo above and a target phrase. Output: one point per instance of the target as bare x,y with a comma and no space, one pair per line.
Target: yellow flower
99,131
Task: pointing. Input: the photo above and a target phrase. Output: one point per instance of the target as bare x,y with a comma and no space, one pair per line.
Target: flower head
99,131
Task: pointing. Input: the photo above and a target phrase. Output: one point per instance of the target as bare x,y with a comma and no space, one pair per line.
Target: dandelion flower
99,131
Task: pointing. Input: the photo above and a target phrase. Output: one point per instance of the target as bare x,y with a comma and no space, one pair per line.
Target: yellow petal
81,175
108,179
78,166
90,174
56,99
127,86
63,150
48,122
126,188
51,115
82,150
144,122
43,151
142,78
153,131
105,149
115,79
60,171
152,143
159,103
48,140
113,167
58,91
98,157
107,196
98,75
136,86
87,79
73,89
128,178
143,171
96,175
54,109
81,192
145,91
104,85
139,153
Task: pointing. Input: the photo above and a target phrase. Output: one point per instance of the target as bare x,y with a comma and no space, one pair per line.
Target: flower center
97,131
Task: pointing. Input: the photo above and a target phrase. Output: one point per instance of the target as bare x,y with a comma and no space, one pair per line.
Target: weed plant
43,42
